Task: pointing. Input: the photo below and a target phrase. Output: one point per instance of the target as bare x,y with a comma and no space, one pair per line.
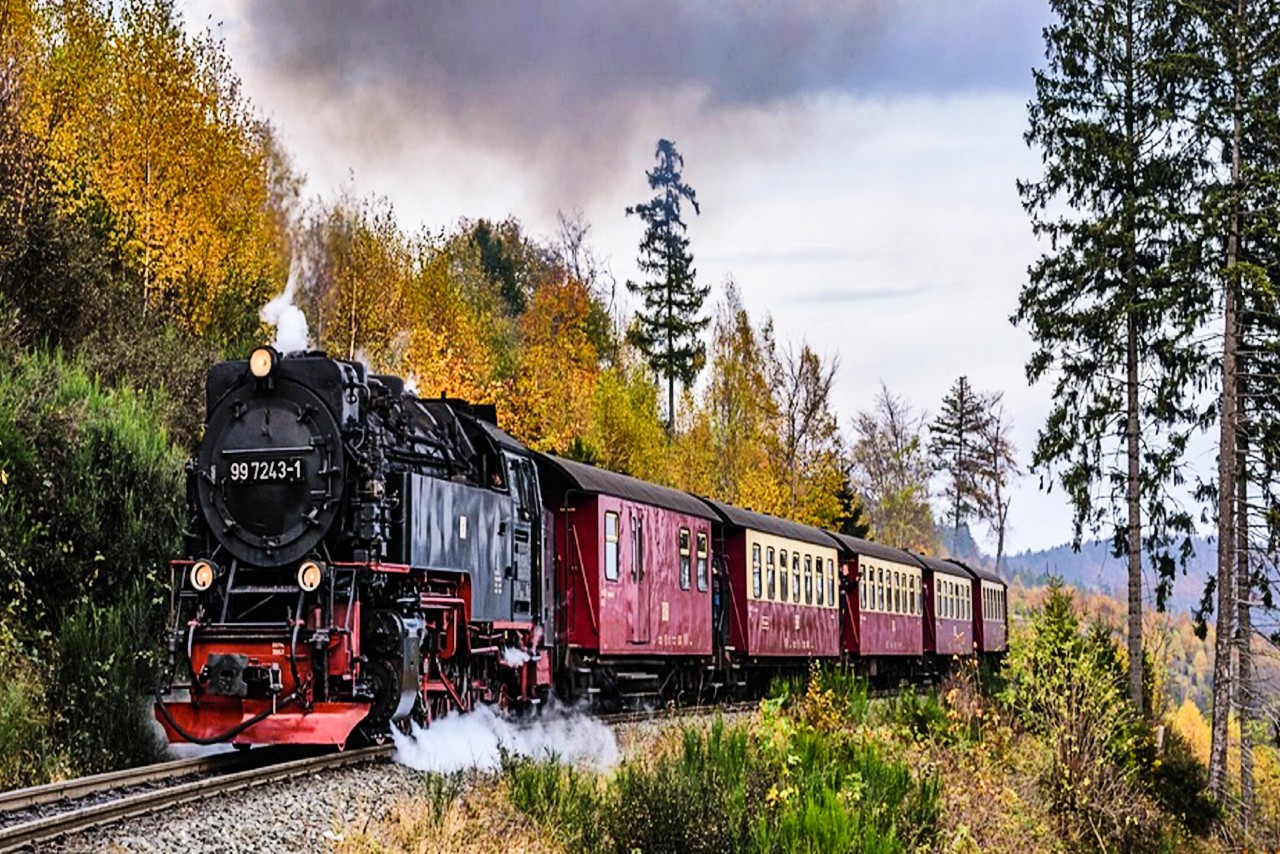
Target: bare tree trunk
1227,472
1134,524
1244,631
1133,451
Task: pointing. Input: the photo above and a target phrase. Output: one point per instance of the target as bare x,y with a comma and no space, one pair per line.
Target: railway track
78,805
41,814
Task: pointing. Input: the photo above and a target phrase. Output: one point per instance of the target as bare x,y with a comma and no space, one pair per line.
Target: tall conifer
1112,322
669,324
954,437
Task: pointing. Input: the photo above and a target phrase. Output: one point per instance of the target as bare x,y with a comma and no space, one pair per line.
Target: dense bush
781,785
90,491
89,506
1067,684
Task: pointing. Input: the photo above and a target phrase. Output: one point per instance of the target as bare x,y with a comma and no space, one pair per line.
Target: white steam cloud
514,657
477,739
290,323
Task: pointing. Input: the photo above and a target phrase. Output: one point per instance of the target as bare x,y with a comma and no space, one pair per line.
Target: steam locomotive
359,558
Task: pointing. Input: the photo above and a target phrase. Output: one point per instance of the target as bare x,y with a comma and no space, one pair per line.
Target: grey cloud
541,80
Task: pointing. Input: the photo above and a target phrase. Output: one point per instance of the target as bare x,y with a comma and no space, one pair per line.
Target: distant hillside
1094,568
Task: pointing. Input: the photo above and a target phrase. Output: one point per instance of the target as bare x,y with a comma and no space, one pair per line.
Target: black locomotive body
356,555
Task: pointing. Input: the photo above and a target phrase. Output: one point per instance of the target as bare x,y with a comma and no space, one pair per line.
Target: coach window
782,575
685,556
897,593
880,589
862,589
831,582
795,577
611,546
808,579
702,561
914,601
822,581
755,570
637,548
773,573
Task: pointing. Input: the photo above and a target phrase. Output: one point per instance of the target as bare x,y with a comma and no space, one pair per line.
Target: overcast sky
855,160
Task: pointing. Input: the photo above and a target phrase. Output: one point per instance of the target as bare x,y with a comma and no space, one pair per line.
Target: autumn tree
741,407
669,323
891,470
812,454
1113,322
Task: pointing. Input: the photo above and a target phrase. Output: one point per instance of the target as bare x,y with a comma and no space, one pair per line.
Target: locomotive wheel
385,683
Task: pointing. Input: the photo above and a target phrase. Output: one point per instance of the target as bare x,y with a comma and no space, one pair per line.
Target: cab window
611,546
685,559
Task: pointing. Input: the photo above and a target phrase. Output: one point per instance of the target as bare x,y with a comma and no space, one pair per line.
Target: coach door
638,595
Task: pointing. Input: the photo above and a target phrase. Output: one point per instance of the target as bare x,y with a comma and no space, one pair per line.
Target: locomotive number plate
288,470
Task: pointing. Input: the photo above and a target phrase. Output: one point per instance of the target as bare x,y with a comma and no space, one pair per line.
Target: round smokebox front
270,473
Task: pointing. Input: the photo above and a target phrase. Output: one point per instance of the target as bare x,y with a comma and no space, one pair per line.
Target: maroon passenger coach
948,607
882,603
632,580
782,586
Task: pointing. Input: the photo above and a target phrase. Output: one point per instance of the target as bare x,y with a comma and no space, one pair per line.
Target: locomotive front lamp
262,361
202,574
309,575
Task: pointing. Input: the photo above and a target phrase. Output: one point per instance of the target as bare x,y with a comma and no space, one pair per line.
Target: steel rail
44,829
79,787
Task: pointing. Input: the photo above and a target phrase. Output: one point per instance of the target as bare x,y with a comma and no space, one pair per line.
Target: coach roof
770,524
945,566
978,571
599,481
857,546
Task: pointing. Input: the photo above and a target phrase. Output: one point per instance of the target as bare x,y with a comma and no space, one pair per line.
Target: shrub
90,495
565,800
1067,685
693,801
105,667
27,754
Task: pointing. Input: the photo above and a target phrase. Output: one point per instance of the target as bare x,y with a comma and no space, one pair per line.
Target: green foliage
781,786
1067,685
565,800
106,662
27,753
1180,784
90,491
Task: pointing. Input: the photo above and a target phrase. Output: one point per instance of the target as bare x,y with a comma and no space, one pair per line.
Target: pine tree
1113,322
668,326
954,437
